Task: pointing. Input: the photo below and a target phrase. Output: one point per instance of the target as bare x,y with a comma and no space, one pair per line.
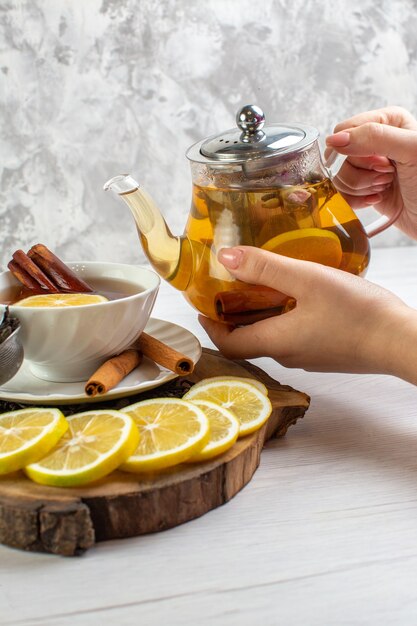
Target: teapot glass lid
252,139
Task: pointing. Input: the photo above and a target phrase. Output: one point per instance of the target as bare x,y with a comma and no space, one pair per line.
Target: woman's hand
381,168
342,323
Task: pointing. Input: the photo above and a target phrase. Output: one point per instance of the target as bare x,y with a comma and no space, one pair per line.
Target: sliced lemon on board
171,431
95,444
308,244
244,400
61,299
253,381
27,435
224,431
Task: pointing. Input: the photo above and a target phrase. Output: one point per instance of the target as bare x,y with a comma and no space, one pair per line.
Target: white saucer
26,388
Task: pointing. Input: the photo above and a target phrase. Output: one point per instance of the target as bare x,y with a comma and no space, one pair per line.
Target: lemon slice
244,400
171,431
61,299
27,435
253,381
224,430
96,443
308,244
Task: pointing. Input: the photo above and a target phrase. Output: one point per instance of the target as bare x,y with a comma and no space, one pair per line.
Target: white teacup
67,344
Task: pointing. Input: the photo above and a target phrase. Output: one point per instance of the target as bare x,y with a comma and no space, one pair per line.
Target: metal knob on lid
251,120
252,139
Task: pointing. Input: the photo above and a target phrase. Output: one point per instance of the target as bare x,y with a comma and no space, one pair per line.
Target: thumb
372,138
260,267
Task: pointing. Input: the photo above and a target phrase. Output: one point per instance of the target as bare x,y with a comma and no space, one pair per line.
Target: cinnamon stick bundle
41,271
63,277
112,372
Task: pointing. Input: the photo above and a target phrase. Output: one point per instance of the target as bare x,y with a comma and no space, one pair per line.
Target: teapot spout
170,256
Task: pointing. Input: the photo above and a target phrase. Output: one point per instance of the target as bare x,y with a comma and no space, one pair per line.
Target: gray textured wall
92,88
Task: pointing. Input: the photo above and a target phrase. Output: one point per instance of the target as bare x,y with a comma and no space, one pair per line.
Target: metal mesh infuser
11,356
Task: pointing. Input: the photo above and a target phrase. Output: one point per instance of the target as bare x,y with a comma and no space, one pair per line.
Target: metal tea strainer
11,350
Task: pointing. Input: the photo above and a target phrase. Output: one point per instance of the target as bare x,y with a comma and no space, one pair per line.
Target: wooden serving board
69,521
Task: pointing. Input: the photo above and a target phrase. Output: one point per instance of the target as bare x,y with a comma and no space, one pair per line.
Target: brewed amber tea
311,222
110,288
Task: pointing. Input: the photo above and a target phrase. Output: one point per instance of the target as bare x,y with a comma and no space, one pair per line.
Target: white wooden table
325,534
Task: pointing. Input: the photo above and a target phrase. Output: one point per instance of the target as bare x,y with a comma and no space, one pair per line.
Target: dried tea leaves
8,325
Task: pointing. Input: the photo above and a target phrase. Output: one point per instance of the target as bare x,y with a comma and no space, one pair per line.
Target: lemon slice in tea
27,435
95,444
61,299
224,431
308,244
171,431
251,407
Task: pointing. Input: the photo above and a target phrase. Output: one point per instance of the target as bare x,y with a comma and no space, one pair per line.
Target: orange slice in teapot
308,244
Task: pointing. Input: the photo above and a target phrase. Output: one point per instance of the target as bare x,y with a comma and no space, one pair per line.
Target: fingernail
384,168
338,139
378,188
230,257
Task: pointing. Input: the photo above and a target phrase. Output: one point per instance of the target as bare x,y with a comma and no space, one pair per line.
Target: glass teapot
257,185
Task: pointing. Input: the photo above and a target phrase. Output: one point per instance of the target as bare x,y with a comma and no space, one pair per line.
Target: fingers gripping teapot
255,185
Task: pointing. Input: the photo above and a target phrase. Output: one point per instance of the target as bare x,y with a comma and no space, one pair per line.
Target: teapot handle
333,163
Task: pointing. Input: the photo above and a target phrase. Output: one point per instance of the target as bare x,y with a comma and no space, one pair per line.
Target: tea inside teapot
311,222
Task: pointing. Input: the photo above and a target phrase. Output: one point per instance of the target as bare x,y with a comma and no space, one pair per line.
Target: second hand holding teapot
263,186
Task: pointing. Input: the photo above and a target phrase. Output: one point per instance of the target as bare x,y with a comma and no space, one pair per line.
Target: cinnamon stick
246,306
112,372
27,266
63,277
164,355
23,276
252,299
